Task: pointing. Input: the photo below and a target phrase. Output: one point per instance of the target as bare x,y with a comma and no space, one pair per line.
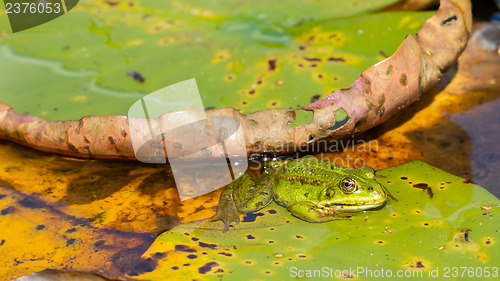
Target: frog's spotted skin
311,189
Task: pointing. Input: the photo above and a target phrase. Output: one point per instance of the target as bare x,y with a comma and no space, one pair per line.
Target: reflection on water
482,123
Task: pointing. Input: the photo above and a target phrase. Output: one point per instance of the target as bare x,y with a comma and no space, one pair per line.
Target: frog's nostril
370,188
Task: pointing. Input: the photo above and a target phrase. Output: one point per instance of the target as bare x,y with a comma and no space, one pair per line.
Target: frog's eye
348,185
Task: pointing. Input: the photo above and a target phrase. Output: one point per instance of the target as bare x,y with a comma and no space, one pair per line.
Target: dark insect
425,188
315,98
271,65
466,235
137,76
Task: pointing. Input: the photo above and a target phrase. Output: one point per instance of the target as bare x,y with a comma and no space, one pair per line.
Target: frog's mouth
340,208
352,207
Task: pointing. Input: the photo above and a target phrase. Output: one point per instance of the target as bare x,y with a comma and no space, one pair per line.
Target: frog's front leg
244,195
312,213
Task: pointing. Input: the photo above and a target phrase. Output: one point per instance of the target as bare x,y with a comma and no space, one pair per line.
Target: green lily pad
440,222
102,56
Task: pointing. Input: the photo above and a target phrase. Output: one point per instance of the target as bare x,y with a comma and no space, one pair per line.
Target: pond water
482,125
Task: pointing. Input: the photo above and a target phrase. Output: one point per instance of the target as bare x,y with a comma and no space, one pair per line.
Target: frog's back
312,167
305,179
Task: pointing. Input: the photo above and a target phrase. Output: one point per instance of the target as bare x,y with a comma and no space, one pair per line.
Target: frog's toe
227,213
230,218
330,215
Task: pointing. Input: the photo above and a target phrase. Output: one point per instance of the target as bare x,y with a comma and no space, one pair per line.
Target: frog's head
355,190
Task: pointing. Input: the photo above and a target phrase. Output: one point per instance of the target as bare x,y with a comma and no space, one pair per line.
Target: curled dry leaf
380,92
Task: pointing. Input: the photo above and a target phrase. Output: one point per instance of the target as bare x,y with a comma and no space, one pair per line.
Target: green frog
311,189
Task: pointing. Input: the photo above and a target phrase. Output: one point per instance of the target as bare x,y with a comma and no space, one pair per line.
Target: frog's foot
312,213
243,196
227,212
